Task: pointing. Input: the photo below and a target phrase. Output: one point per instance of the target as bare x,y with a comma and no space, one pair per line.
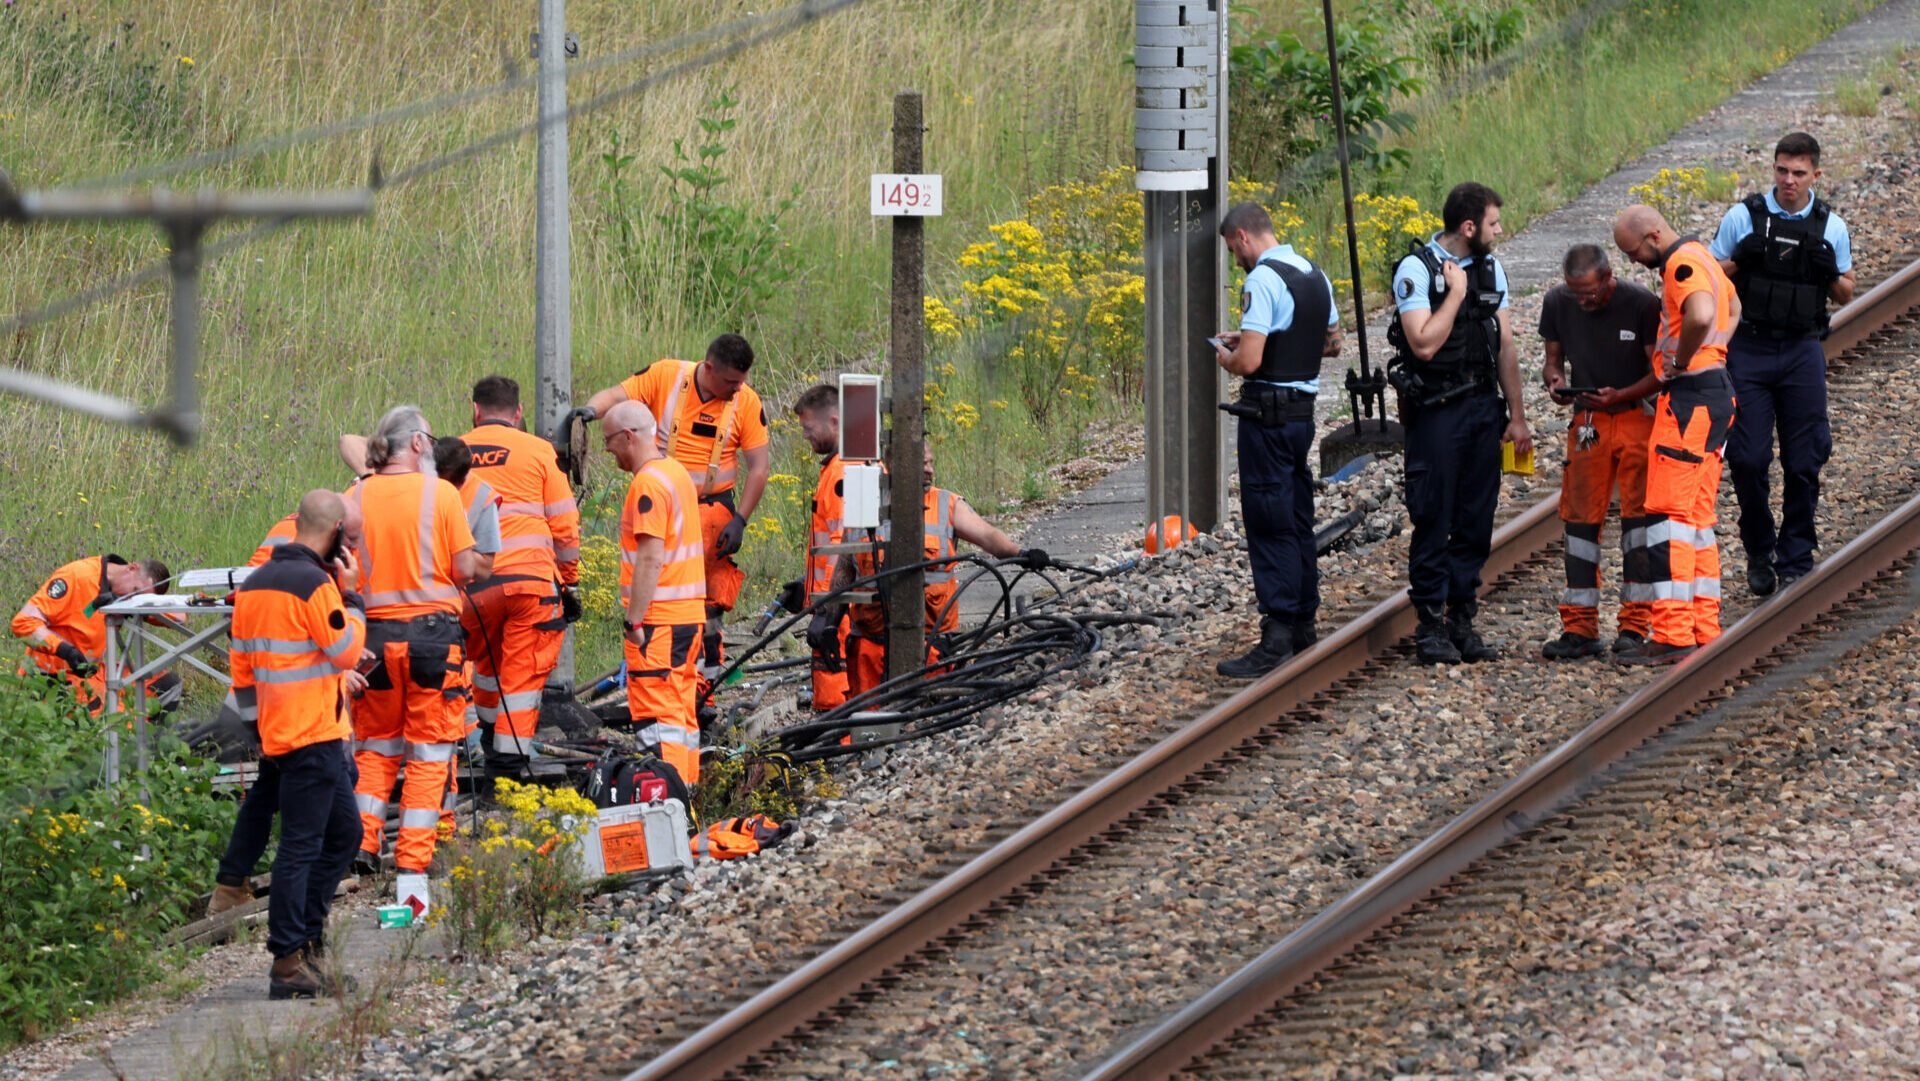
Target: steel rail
787,1006
1550,783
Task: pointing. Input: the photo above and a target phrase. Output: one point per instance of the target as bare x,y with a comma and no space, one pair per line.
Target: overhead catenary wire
771,25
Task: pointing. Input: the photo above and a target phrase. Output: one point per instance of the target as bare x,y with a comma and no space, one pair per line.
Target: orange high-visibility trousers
411,712
830,688
661,690
1690,427
514,634
1617,458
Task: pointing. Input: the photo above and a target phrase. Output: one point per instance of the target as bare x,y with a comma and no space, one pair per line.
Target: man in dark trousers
1598,333
1288,324
1457,373
298,628
1788,254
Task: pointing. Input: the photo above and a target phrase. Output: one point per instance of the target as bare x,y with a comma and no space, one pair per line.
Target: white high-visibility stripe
522,510
484,682
417,818
1633,538
1636,591
412,596
285,646
1667,531
1587,551
1581,598
667,733
426,530
335,650
482,495
450,801
293,675
1672,591
31,610
570,554
1706,587
683,553
523,543
357,616
487,714
505,742
699,845
386,748
520,700
565,506
370,805
429,752
695,590
275,542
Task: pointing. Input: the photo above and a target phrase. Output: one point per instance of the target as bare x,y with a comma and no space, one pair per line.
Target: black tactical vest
1293,355
1778,296
1472,348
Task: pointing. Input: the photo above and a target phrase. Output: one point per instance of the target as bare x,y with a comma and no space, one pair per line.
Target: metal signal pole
553,304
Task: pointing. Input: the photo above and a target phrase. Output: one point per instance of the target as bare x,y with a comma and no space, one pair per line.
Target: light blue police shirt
1411,278
1738,225
1269,306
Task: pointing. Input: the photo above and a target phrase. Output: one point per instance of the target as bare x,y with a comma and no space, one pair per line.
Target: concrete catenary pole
906,593
552,305
1180,160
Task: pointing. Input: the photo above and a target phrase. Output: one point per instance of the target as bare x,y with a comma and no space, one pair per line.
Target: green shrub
1464,32
1283,100
93,874
146,96
518,880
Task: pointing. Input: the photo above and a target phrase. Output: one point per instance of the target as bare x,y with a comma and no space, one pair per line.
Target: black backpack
620,778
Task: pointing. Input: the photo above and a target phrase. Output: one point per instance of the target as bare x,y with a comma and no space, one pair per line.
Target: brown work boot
295,976
226,897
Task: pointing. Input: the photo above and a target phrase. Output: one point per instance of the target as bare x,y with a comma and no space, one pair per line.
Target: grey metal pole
552,307
182,418
906,593
1346,192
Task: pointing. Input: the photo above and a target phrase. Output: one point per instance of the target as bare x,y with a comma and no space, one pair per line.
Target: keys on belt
1586,435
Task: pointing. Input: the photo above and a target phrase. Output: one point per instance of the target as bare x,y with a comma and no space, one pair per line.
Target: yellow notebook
1511,463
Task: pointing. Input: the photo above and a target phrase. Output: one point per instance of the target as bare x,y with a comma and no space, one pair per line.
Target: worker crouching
66,633
662,589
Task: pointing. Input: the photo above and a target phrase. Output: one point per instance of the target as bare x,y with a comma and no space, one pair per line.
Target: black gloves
793,597
1823,263
76,660
731,535
570,609
1750,252
1034,559
584,412
823,637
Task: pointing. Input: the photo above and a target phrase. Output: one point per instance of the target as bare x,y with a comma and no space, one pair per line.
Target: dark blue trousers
1276,501
319,833
252,827
1453,485
1779,386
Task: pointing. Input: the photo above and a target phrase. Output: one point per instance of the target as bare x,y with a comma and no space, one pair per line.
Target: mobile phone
338,548
1574,392
1218,343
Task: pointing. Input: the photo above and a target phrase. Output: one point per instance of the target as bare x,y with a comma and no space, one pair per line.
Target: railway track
1025,905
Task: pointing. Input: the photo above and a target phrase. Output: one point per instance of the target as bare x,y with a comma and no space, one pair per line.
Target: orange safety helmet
1169,533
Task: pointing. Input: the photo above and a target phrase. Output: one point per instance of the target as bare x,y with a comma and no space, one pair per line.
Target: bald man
1692,416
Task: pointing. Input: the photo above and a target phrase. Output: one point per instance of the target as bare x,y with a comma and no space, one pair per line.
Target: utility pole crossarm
184,217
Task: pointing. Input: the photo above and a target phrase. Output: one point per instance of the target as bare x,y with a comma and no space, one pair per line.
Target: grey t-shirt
1607,348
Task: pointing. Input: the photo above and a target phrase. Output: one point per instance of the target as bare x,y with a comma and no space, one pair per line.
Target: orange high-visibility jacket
415,525
942,580
539,521
706,437
661,503
282,532
64,610
1690,268
826,527
294,634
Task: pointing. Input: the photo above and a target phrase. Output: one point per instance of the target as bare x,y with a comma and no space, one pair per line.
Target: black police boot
1473,649
1271,652
1431,643
1302,634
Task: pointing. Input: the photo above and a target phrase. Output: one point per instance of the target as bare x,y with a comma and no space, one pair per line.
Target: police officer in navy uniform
1288,324
1454,364
1788,253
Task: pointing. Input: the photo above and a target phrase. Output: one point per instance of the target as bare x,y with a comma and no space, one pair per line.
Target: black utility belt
1270,406
1777,334
434,627
725,498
